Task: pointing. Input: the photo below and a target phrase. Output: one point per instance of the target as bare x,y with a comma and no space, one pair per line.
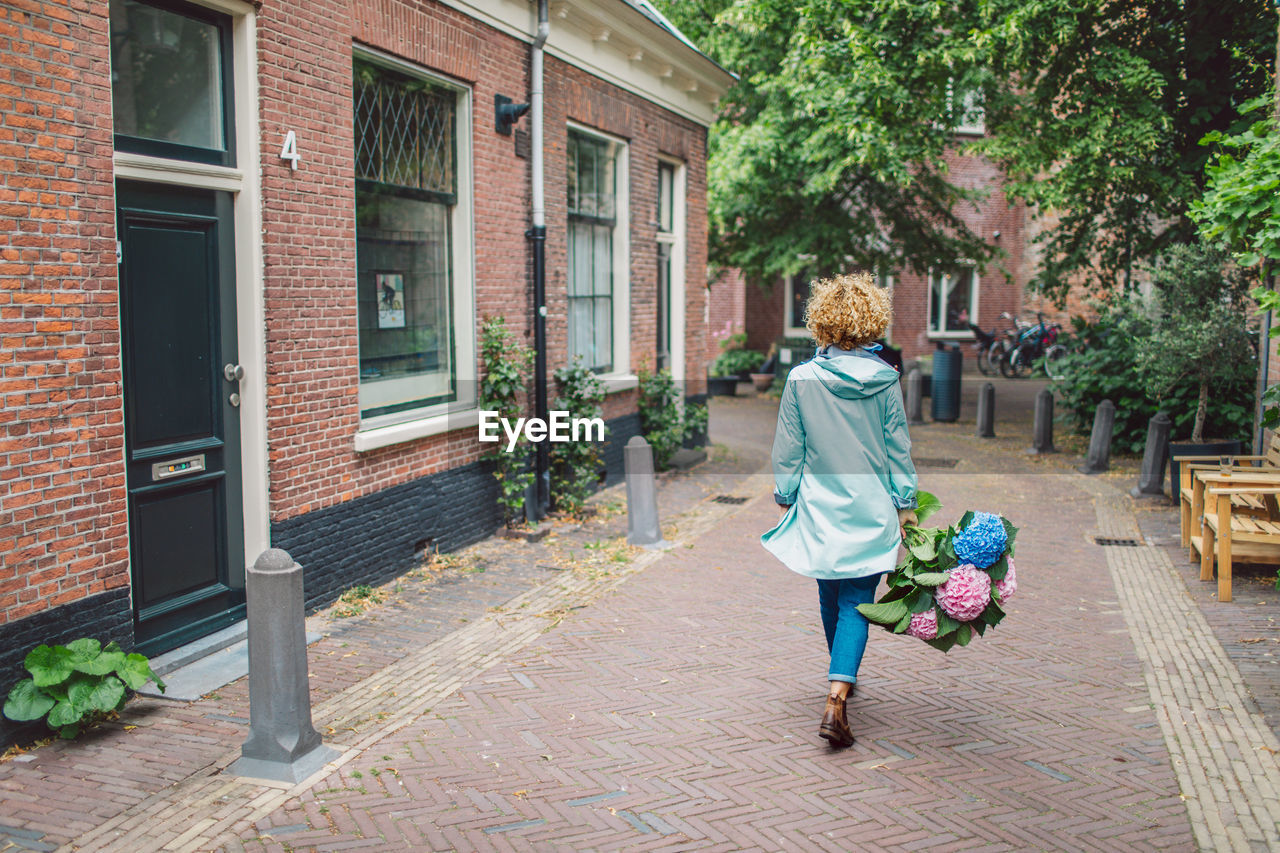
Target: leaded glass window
592,186
406,190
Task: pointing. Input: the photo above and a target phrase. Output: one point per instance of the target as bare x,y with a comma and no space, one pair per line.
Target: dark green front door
182,425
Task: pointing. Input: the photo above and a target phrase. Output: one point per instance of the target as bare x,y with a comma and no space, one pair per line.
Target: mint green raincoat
842,463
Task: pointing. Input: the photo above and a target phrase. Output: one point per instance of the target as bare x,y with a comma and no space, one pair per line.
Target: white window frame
384,430
244,182
677,239
620,378
974,295
969,109
788,293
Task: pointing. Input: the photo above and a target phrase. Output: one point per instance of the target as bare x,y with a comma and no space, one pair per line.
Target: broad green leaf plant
73,685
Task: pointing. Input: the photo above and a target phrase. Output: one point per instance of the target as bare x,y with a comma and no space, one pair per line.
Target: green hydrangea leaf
884,612
998,569
69,732
965,519
49,665
946,625
1011,532
943,643
963,635
903,624
931,578
927,504
27,702
920,601
924,551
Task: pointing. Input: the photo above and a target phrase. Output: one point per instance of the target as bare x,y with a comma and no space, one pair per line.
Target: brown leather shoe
834,726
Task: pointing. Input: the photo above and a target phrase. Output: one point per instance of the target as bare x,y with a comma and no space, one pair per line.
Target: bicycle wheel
1020,361
1003,359
1053,361
985,365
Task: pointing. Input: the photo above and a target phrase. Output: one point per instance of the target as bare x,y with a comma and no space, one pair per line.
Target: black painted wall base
375,538
105,617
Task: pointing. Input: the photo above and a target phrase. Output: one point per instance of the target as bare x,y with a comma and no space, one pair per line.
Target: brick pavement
620,706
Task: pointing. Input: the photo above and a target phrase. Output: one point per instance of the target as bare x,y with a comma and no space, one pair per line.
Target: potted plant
1200,337
735,363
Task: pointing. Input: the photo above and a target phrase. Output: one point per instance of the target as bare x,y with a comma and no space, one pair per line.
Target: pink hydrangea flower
965,594
1008,585
924,625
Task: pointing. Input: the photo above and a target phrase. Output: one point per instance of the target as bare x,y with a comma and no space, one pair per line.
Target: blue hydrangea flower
982,542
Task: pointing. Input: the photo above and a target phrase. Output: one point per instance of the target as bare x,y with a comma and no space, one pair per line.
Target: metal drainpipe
538,237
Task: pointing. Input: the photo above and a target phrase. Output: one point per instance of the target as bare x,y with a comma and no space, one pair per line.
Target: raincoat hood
853,374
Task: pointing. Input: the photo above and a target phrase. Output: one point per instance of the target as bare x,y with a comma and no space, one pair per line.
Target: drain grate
729,499
1125,543
927,462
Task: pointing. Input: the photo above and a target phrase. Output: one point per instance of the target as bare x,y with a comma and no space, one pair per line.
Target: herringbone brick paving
694,689
691,695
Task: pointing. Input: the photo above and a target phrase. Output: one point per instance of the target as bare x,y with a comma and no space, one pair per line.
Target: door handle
233,372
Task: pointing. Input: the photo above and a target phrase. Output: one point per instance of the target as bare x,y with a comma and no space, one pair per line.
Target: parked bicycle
1036,343
1003,344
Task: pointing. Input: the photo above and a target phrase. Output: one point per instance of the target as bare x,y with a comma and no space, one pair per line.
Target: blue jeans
845,627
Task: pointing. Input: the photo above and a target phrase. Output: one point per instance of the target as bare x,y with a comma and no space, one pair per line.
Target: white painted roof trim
617,42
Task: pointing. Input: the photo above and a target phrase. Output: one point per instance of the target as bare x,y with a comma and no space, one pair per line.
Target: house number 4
290,150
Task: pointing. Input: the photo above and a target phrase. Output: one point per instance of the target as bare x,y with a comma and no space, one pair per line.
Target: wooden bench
1191,484
1228,536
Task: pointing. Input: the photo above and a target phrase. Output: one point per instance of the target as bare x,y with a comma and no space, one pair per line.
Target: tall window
953,302
593,220
406,190
666,246
171,81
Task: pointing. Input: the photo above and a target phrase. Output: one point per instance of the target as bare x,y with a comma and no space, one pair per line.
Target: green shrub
734,358
662,423
1103,364
575,465
75,684
505,364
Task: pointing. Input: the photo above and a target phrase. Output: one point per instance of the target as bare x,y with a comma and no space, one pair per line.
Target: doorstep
193,670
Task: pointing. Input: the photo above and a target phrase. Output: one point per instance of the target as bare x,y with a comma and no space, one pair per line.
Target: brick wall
726,309
63,533
1001,286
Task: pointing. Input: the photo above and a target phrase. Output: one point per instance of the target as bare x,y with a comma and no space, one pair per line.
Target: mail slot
177,467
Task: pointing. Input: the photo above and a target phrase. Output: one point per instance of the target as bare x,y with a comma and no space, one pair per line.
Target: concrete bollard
642,495
282,745
915,396
1042,437
1151,478
987,411
1104,421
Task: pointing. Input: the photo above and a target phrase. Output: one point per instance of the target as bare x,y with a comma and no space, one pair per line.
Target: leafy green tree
835,142
1201,338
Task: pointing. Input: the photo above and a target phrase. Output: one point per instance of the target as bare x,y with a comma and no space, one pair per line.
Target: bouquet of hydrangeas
953,581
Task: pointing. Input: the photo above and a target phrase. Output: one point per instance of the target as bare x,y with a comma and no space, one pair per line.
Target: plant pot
722,386
1203,448
762,381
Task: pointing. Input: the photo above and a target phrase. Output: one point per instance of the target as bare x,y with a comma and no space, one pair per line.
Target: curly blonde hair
847,310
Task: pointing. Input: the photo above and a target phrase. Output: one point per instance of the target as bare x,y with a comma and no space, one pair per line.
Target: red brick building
248,248
927,309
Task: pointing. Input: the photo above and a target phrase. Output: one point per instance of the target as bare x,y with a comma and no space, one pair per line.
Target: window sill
950,336
373,439
615,383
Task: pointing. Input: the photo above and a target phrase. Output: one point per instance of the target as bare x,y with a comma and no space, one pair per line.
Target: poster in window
390,300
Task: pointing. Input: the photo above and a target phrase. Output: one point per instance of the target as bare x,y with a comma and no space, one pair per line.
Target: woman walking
843,473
